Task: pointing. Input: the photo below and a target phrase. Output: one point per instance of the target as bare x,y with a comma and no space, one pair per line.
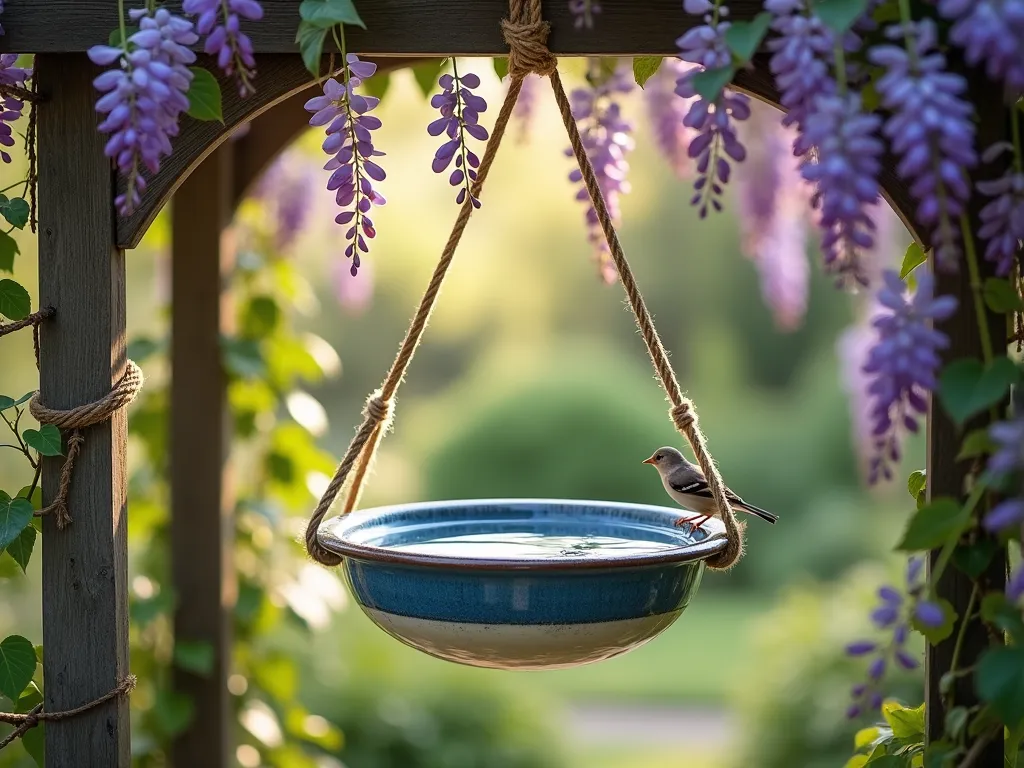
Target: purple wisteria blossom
774,201
1,13
666,112
221,22
526,104
1007,465
893,614
714,122
583,12
10,107
845,173
607,138
1002,218
930,130
144,96
991,32
287,186
349,141
460,115
903,362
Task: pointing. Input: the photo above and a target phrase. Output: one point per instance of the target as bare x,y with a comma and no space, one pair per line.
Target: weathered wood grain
81,273
202,500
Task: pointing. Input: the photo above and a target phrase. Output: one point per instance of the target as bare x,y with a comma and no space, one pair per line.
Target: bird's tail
762,513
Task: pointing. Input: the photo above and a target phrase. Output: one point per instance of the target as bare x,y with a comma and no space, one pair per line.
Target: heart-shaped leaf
977,443
500,66
9,402
311,38
15,302
1000,681
15,515
17,665
966,387
645,66
710,83
8,250
916,484
744,37
204,96
46,440
904,721
839,15
15,211
327,13
912,259
21,548
1000,296
426,75
934,524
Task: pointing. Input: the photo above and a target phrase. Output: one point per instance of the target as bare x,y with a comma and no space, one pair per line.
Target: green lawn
691,663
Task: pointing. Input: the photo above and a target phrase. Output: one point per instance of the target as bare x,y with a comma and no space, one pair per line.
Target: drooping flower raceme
526,104
10,107
287,187
903,362
893,614
583,12
1007,465
144,96
991,33
350,143
714,121
1002,218
460,115
607,139
221,22
666,111
930,130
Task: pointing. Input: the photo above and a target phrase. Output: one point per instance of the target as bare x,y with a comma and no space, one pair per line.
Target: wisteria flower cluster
903,363
1006,464
714,121
460,115
991,33
1002,218
221,22
607,139
666,112
144,96
350,143
10,107
893,614
930,130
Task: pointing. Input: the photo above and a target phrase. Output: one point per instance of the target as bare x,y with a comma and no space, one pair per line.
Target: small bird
686,485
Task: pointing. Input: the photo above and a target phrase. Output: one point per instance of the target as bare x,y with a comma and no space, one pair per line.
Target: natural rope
29,720
526,34
34,320
76,419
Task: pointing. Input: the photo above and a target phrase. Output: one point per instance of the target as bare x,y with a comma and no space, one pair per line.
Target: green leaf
710,83
15,211
260,317
997,610
17,665
912,259
501,67
196,657
311,45
426,75
905,722
956,720
966,387
934,524
21,548
15,514
204,97
46,440
15,302
8,250
917,483
32,740
36,499
243,357
116,41
865,736
999,681
939,754
645,66
977,443
974,558
7,402
885,761
173,711
937,634
839,15
1000,296
326,13
744,37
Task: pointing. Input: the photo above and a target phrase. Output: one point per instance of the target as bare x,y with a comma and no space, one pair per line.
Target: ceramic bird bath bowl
522,583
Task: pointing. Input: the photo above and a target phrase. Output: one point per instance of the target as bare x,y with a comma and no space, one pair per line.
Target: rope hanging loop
526,34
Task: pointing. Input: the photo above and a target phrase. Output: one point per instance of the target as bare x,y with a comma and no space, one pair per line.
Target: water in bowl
531,545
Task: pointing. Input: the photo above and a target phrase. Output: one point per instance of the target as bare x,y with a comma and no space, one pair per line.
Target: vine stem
947,549
979,301
958,645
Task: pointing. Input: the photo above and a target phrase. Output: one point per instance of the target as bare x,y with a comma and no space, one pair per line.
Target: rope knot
378,409
528,48
682,415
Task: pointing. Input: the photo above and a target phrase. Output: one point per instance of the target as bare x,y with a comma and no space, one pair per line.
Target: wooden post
81,273
202,515
945,474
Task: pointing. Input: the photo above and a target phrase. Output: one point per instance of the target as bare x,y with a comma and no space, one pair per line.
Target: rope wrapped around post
526,33
77,419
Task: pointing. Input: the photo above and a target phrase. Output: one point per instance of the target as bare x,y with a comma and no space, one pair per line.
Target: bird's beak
648,461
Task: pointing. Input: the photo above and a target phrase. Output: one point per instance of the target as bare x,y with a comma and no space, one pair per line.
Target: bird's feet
693,522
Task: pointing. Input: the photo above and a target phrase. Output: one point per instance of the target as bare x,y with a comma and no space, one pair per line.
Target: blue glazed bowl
522,583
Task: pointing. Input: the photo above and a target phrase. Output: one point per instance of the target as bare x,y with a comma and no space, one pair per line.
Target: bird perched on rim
686,485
